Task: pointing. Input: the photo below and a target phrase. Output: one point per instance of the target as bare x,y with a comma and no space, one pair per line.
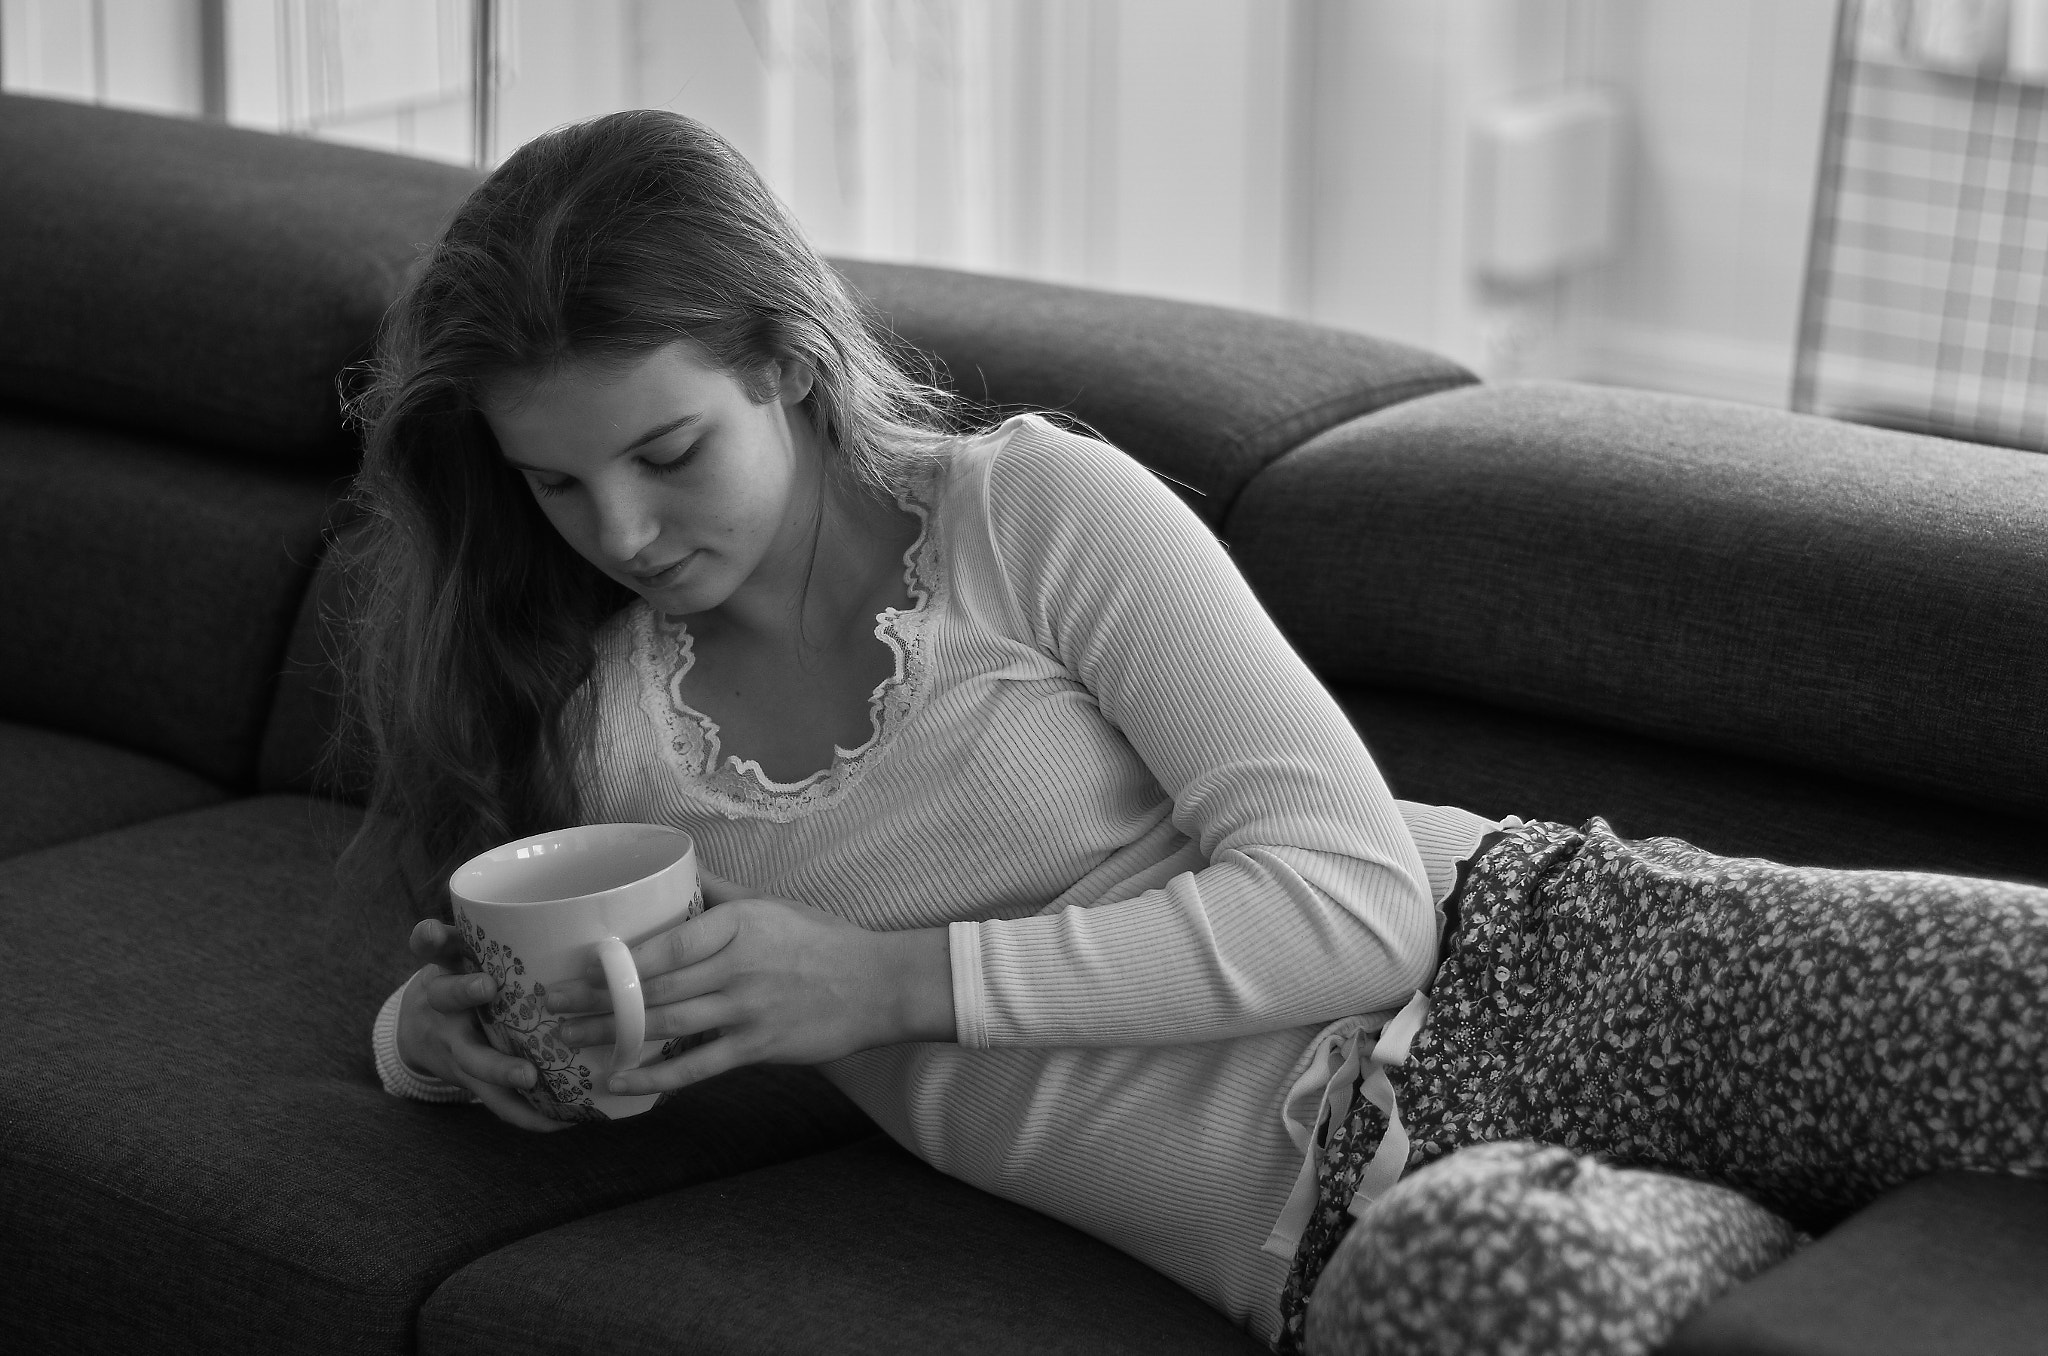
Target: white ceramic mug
535,910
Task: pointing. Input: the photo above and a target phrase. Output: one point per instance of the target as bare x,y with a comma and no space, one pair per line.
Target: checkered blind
1927,277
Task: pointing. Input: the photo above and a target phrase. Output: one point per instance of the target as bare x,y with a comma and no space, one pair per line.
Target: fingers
497,1080
692,1066
676,986
595,1030
580,995
459,993
434,940
514,1109
688,942
671,1019
479,1060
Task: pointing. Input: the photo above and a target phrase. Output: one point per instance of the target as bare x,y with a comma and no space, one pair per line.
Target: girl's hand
781,982
439,1029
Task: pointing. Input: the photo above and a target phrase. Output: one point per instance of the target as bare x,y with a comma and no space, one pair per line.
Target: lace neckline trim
664,652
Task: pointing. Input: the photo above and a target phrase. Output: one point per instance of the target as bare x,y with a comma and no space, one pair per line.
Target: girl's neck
828,599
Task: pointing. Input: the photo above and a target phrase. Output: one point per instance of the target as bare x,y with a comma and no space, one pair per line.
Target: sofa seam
1362,404
1432,683
78,1181
137,393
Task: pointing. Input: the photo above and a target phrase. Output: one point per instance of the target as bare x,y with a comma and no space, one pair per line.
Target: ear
793,381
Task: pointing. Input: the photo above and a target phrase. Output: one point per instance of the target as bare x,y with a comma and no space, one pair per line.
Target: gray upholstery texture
195,281
1836,598
1953,1263
55,787
1451,751
861,1250
149,589
1203,394
193,1123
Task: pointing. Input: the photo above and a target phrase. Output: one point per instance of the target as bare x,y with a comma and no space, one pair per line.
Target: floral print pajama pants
1808,1038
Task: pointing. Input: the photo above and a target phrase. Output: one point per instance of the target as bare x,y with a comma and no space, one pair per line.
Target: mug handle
629,1010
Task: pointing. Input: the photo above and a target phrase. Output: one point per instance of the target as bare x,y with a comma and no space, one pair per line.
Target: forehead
584,406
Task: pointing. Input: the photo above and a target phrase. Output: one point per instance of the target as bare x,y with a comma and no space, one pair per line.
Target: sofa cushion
1451,751
1205,394
194,1140
1956,1262
55,787
196,280
863,1249
1828,596
148,589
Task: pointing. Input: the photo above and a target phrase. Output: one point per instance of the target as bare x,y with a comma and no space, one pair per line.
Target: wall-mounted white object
1543,186
2026,51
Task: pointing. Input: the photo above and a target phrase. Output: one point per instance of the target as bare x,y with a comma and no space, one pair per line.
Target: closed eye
660,468
675,463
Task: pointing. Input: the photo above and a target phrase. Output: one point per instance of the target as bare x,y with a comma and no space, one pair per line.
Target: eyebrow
651,435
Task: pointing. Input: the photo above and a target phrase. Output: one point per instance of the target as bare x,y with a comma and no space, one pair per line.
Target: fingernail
527,1075
569,1034
619,1086
482,986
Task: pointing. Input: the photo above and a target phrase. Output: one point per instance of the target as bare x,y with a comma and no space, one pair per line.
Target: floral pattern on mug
521,1025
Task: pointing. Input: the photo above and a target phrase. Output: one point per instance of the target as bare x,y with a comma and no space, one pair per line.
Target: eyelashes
674,464
665,468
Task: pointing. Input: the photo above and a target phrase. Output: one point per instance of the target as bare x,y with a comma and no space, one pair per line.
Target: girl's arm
1305,899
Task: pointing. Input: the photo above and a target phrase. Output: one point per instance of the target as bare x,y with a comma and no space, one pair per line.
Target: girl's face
666,475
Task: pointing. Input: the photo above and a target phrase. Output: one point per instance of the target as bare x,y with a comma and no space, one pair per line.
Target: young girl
1028,827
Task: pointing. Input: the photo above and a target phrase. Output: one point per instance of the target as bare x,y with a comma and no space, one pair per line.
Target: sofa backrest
148,587
178,299
198,282
1814,594
1205,395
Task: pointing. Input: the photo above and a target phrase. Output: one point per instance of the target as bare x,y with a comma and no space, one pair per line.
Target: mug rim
494,855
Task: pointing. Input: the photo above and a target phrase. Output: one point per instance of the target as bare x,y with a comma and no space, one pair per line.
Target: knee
1526,1248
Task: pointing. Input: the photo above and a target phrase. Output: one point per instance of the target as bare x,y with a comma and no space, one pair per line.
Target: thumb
719,890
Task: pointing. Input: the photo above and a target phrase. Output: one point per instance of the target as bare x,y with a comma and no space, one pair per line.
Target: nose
626,525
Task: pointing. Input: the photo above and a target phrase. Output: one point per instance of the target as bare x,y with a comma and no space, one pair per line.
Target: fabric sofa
1764,633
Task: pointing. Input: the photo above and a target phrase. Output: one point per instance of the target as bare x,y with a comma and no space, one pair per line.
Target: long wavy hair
472,624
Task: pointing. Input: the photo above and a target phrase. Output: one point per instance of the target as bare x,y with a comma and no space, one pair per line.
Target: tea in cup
536,910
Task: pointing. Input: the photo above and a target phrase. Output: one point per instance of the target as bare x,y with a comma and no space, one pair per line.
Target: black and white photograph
1014,677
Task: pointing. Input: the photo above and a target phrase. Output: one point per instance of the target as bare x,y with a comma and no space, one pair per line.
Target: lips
667,574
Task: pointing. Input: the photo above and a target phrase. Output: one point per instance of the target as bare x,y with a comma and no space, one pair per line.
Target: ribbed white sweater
1167,863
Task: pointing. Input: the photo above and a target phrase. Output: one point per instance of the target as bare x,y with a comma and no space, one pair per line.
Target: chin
681,600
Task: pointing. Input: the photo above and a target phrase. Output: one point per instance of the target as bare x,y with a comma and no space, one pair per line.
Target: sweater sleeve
1308,899
398,1078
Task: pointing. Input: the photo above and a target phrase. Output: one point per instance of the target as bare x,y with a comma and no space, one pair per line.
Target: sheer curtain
1306,157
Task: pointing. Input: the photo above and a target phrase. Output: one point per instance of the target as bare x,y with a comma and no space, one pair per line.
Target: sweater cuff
399,1079
970,999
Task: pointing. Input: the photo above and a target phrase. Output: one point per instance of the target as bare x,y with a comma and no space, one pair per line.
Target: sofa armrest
1951,1263
1818,594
